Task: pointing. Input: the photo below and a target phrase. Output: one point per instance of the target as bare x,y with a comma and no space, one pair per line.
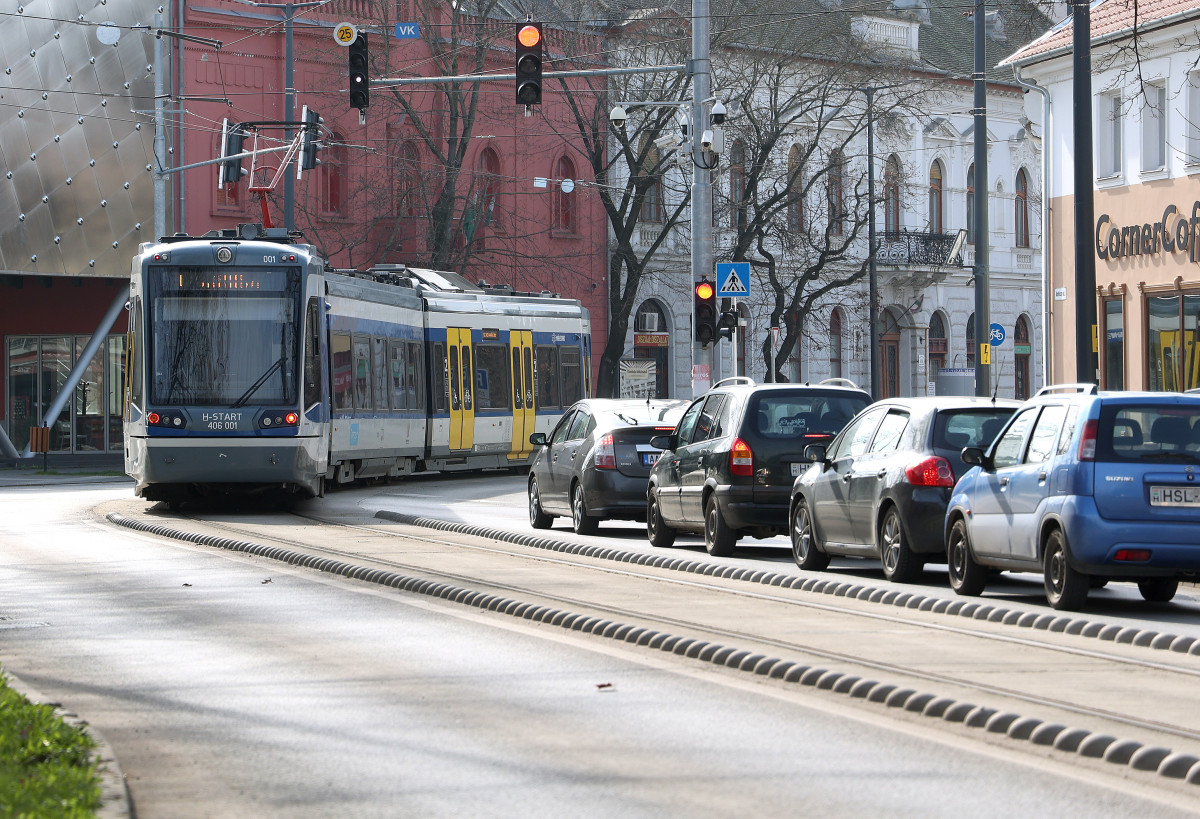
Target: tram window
455,402
414,383
572,375
343,372
547,378
397,372
468,379
312,355
491,376
362,373
437,372
529,398
380,371
518,401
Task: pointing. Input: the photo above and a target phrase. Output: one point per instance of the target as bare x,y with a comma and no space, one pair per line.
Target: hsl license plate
649,458
1175,495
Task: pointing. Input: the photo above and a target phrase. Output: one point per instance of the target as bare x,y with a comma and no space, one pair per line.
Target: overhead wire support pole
700,69
983,322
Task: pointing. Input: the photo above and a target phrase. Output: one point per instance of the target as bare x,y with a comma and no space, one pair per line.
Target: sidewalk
63,469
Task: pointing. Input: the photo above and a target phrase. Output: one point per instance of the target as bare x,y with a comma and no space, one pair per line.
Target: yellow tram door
520,350
462,387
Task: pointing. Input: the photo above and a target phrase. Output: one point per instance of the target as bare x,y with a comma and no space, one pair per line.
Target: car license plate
649,458
1175,495
797,468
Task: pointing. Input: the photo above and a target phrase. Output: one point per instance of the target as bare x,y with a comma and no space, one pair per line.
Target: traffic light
728,320
529,63
312,136
706,312
359,64
233,138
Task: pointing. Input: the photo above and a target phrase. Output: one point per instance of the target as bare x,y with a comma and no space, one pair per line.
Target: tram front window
222,337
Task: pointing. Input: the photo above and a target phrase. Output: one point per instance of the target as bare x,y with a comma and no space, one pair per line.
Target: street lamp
289,95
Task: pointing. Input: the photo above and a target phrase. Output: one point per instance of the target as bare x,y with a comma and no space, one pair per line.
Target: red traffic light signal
706,312
529,63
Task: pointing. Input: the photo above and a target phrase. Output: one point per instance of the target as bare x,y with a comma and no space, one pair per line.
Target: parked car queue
1082,486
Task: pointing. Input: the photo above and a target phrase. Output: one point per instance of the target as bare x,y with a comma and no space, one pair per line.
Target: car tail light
1087,441
1132,555
741,458
933,471
606,453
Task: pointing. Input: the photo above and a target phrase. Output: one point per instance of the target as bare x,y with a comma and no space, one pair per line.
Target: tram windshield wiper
262,379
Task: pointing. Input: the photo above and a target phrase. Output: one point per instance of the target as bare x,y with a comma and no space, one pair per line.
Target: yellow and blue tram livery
255,366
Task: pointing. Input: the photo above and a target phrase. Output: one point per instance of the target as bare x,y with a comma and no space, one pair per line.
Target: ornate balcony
908,249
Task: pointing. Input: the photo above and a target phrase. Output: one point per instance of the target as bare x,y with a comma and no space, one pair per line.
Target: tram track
818,663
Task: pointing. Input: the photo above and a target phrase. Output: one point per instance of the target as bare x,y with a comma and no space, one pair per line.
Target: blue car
1085,487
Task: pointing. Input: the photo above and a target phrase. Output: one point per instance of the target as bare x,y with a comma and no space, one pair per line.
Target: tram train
253,365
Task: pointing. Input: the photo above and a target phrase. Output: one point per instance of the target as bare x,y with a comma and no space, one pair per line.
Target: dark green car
728,467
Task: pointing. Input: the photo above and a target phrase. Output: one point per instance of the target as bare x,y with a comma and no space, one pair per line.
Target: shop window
1021,351
937,344
1113,316
1173,341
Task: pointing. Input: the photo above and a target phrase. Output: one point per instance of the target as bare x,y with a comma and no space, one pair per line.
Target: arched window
652,201
891,195
1021,350
835,343
407,180
937,344
1021,226
488,184
737,185
835,193
971,204
331,180
650,346
795,184
564,206
935,197
971,341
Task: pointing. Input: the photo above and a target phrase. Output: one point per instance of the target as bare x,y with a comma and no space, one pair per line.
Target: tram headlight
292,418
153,418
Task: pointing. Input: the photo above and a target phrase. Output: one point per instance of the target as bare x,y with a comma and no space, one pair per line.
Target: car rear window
1164,433
778,414
955,429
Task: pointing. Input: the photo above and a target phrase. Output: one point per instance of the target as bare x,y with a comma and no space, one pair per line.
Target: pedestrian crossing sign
733,279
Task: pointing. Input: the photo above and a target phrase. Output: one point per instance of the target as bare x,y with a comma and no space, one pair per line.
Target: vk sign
408,31
997,336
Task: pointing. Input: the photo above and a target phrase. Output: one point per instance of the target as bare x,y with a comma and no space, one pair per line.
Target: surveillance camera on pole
706,141
718,113
617,116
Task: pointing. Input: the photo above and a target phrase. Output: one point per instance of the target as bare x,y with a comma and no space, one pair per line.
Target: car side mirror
974,456
664,442
815,453
537,438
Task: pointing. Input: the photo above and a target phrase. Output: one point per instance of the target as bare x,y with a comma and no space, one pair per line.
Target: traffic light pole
702,247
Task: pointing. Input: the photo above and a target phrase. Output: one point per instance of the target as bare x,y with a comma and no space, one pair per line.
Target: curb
114,795
1128,753
973,609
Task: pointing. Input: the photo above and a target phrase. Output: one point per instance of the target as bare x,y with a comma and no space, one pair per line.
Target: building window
1021,351
737,186
835,343
564,206
1113,369
835,192
891,195
971,204
795,186
937,343
488,184
1154,127
406,178
1192,123
1108,135
331,181
971,341
652,200
1173,327
1021,226
935,197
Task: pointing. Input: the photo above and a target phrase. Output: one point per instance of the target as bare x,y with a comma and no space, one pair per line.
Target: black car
728,468
595,463
881,488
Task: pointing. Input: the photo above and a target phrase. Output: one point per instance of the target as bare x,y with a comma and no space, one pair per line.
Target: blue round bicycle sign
997,335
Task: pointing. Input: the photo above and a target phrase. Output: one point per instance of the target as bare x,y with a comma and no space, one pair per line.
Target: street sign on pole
997,334
344,34
733,279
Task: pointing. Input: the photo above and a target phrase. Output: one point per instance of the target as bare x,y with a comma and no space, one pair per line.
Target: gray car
595,463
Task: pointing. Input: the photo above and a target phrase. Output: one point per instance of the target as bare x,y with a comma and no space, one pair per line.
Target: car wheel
805,552
719,539
900,565
538,518
581,521
1066,589
661,535
966,576
1158,589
